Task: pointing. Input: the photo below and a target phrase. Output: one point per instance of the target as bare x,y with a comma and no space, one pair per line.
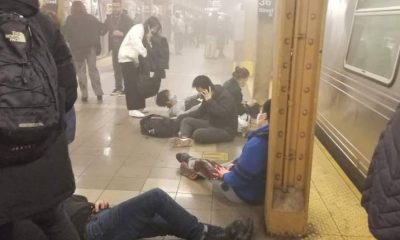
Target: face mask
174,99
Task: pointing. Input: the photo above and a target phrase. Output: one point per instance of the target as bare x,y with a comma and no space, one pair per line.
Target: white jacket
132,45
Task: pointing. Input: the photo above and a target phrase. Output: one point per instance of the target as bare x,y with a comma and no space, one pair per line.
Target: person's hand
220,172
207,94
117,33
101,205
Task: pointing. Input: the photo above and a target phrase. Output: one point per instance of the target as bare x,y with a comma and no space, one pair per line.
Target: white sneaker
143,110
136,114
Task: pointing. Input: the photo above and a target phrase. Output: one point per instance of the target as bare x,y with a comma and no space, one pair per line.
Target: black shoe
238,230
183,157
99,98
84,99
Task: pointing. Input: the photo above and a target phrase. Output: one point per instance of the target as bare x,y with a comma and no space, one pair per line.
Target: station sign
266,8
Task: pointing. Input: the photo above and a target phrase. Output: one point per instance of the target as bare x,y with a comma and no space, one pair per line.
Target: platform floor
113,161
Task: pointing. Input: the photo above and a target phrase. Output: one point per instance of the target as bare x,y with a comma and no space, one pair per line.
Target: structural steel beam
297,63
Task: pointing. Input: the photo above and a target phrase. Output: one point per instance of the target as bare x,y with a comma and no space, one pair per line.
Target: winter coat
83,32
35,187
247,178
220,111
381,196
233,87
121,23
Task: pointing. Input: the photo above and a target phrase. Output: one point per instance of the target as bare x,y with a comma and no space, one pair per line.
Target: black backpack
77,208
29,100
159,126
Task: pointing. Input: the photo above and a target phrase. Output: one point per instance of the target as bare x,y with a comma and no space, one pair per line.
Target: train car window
374,45
362,4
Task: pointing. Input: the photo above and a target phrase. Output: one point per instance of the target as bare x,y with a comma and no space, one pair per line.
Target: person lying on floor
243,181
215,120
175,107
153,213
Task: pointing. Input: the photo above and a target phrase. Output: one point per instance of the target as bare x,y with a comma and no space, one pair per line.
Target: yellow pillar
297,62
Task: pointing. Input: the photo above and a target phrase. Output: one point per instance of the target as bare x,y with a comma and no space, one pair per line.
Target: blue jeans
151,214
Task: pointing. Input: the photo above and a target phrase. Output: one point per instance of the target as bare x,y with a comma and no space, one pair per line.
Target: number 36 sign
266,8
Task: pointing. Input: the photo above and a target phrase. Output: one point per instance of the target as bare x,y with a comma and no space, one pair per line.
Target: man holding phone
216,119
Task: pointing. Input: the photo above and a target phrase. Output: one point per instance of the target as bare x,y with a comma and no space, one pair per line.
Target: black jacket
233,87
220,111
28,189
83,32
157,59
381,196
121,23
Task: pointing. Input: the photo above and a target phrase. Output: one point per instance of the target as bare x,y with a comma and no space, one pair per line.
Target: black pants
54,223
134,99
201,131
119,81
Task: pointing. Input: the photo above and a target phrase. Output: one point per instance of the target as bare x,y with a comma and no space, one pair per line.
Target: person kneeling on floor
175,107
244,179
216,119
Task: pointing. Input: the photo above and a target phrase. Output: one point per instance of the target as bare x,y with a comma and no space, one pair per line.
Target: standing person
179,29
82,32
118,25
36,188
132,47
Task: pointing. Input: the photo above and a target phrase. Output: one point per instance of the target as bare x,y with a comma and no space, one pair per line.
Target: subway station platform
113,161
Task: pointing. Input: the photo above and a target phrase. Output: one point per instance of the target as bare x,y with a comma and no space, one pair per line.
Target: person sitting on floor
176,107
238,81
242,181
153,213
215,120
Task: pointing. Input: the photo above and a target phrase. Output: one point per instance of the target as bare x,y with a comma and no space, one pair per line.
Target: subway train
360,80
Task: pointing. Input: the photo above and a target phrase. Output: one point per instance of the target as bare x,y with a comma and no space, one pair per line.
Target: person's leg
226,190
189,125
134,99
82,78
94,72
56,224
211,135
117,71
6,231
135,218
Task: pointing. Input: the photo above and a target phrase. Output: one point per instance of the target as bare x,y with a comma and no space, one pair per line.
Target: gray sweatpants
94,75
201,131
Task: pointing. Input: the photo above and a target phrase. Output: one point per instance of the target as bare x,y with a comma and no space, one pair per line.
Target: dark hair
240,72
78,8
162,98
267,108
202,81
152,22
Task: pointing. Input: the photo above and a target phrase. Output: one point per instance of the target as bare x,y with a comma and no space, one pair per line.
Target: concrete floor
113,161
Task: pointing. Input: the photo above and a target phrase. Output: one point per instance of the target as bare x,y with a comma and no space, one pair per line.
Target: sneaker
237,230
205,168
181,142
187,172
121,93
100,98
143,110
116,92
84,99
136,114
183,157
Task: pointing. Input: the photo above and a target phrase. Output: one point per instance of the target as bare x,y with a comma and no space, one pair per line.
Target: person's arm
134,37
249,165
65,68
220,108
